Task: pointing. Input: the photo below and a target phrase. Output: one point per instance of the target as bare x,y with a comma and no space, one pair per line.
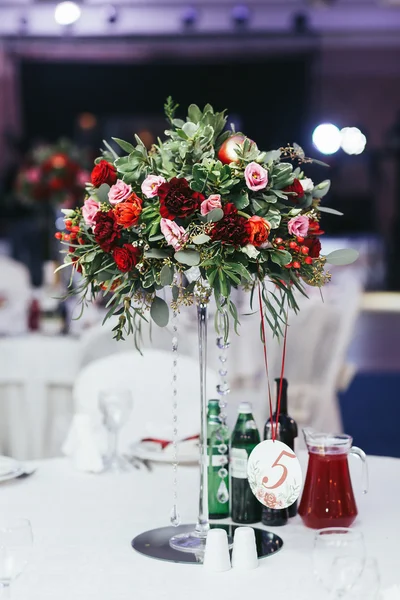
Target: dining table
83,525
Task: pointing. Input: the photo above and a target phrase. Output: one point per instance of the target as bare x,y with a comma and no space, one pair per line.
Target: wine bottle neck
283,402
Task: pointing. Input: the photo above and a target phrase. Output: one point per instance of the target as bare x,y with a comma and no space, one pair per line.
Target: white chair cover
15,295
149,377
36,378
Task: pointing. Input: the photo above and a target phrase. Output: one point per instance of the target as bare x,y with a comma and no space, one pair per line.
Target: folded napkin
392,593
83,446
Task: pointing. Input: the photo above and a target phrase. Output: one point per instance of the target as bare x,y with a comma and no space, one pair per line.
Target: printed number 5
284,474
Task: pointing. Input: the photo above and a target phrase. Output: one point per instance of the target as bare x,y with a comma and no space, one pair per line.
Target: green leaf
156,238
280,194
167,275
102,192
272,156
215,215
240,199
280,257
188,257
321,189
124,145
344,256
156,253
201,239
194,113
273,216
159,312
190,129
329,210
175,293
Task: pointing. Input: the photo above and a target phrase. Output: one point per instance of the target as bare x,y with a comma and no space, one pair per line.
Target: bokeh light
326,138
67,13
353,141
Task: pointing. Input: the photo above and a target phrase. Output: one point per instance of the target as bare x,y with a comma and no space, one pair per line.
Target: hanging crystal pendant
222,492
175,517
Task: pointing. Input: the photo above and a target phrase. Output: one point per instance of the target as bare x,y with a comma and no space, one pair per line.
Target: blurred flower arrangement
203,212
54,174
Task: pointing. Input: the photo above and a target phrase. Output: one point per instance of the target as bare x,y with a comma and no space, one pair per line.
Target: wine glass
367,586
116,407
15,549
339,558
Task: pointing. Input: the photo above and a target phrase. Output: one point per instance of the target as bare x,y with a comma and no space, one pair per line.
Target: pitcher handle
361,455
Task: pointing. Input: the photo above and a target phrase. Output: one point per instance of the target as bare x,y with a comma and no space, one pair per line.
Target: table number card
274,474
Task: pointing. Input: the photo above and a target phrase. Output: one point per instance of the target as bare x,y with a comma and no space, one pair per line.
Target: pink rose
214,201
175,236
33,175
151,184
256,176
119,192
298,226
83,178
90,209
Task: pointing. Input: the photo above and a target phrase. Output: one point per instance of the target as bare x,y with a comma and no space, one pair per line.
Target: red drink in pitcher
328,498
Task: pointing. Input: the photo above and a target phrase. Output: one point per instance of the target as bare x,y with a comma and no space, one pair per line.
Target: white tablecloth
83,526
36,378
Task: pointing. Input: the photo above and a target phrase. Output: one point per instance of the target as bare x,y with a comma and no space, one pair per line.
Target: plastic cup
244,554
216,556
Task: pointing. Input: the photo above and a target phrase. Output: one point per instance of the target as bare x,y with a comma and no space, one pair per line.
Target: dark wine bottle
287,433
245,508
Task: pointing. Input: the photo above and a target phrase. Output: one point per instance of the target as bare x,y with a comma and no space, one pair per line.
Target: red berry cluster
298,252
72,236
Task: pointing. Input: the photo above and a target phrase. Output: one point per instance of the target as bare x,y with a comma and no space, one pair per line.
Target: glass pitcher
328,498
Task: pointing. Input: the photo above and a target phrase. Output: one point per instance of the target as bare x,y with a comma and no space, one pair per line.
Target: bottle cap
213,403
245,407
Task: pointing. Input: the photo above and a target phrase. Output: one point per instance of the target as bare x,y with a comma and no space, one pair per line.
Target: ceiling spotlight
326,138
241,14
111,13
189,16
353,141
66,13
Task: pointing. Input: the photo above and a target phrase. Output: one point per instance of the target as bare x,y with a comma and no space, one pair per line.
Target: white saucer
9,468
188,452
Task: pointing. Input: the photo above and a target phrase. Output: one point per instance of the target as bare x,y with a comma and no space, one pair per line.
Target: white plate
188,452
8,466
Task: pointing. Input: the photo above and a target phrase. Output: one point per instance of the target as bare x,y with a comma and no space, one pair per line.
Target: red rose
232,228
297,188
177,199
313,228
314,246
126,258
104,172
107,230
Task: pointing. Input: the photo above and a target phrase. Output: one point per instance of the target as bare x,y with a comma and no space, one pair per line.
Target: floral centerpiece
203,212
205,198
54,174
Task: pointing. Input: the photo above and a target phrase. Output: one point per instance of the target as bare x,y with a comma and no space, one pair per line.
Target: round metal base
156,543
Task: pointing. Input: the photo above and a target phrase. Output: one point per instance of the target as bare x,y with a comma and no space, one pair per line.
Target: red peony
314,246
106,230
126,258
177,199
314,228
297,188
104,172
232,228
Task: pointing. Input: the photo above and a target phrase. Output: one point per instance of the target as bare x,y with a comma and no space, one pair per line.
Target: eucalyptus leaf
102,192
240,199
280,194
215,215
321,189
156,253
201,239
194,113
280,257
188,257
329,210
344,256
124,145
272,156
167,275
159,312
190,129
156,238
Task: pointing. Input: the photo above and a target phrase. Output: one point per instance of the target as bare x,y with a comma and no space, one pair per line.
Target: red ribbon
274,428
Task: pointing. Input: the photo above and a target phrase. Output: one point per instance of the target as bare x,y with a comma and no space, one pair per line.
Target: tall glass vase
194,541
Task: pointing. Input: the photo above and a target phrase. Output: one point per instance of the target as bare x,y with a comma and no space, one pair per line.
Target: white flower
307,184
250,250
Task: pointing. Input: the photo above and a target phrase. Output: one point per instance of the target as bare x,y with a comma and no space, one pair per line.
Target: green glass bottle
245,507
218,463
